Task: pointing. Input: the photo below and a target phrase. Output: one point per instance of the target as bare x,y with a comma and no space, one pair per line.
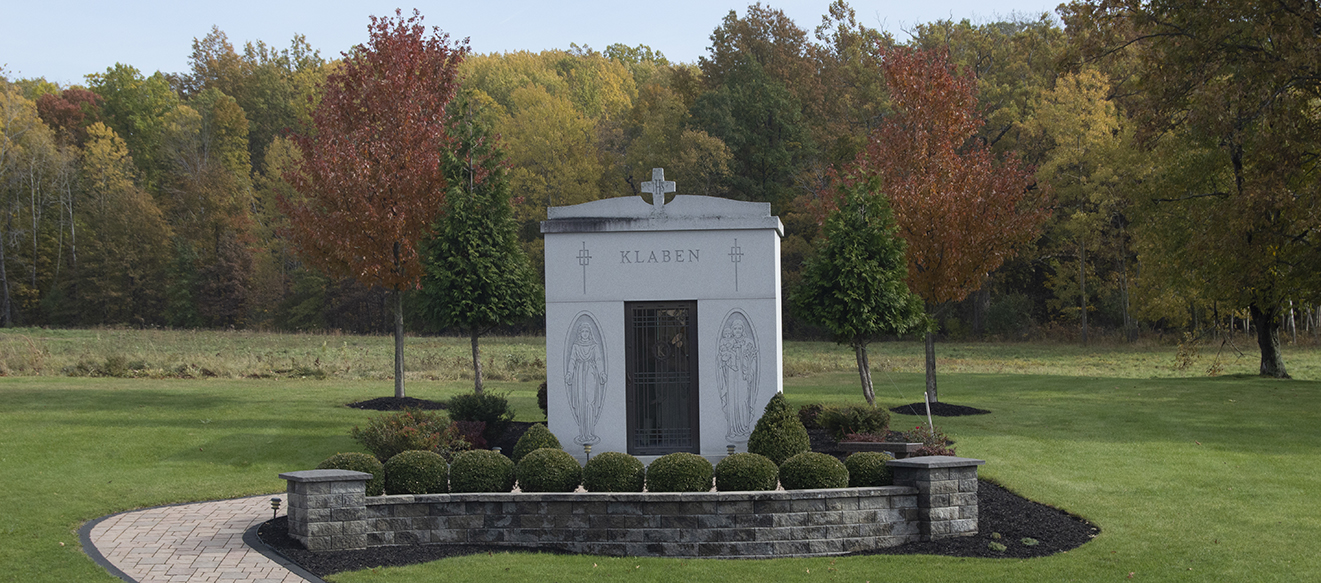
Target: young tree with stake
371,179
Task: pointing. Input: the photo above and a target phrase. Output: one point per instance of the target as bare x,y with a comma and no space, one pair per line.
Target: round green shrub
746,472
812,470
841,421
536,437
679,472
868,468
481,470
779,433
549,470
359,462
614,471
488,407
416,472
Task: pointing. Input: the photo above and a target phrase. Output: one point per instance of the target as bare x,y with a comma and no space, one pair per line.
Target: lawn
1190,478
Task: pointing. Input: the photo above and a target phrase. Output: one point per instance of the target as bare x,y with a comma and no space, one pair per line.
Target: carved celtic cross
658,186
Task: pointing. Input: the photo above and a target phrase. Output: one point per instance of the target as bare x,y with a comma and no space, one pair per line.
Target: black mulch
397,404
938,409
1027,529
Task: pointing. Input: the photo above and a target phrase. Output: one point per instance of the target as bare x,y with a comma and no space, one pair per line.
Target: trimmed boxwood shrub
536,437
779,434
488,407
841,421
359,462
481,470
745,472
614,471
868,468
679,472
416,472
549,470
811,470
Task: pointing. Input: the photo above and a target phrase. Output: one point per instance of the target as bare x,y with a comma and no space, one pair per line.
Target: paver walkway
193,543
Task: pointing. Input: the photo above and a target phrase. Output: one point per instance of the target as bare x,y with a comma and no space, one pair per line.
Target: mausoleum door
660,344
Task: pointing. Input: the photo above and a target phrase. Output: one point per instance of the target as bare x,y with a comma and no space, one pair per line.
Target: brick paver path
193,543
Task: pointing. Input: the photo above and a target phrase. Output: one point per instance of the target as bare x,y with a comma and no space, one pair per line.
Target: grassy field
1191,478
245,354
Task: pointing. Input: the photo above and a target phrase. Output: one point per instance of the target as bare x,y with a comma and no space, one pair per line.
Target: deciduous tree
371,178
135,107
120,276
1094,171
1240,81
961,211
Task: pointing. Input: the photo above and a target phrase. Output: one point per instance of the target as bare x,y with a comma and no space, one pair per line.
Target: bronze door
660,344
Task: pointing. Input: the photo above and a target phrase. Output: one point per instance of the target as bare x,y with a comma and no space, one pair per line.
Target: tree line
1174,148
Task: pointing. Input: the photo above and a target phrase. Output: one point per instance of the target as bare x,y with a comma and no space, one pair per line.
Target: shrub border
933,497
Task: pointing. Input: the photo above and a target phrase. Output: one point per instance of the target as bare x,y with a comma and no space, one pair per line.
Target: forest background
149,200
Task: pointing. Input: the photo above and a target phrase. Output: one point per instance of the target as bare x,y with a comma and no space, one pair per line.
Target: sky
63,40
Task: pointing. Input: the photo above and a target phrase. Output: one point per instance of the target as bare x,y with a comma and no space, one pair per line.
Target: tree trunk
1268,339
931,367
1293,325
1130,334
6,317
476,363
864,372
1082,286
399,343
980,303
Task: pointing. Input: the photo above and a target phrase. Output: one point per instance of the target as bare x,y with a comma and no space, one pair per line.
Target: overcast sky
63,40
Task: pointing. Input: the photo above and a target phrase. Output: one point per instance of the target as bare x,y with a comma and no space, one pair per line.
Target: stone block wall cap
934,461
326,476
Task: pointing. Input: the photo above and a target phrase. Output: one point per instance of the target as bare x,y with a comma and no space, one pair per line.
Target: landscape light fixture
275,507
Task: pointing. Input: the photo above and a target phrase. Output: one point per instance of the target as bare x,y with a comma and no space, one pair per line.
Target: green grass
74,449
1190,479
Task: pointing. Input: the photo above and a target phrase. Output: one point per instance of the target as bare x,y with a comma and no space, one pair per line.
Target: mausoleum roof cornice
684,213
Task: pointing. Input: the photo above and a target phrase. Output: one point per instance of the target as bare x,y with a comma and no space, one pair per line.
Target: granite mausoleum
662,322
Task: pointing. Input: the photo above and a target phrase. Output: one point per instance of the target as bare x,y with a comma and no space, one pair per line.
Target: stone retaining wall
328,510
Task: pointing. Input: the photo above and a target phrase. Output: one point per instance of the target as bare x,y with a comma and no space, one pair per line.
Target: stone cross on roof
658,186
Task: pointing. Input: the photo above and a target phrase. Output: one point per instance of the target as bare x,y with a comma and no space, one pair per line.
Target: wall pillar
327,508
946,493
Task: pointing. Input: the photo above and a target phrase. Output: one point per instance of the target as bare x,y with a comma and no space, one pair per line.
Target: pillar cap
326,476
934,461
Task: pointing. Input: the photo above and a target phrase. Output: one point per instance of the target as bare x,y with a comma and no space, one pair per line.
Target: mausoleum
662,322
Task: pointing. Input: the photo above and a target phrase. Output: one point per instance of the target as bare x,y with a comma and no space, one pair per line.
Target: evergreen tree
477,277
854,285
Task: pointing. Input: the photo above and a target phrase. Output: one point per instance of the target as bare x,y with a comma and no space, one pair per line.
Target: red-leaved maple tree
370,181
962,211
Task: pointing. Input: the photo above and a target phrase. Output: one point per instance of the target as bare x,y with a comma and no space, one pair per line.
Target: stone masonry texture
933,497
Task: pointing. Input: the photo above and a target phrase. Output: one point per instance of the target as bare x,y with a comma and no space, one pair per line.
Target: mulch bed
397,404
938,409
1027,529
